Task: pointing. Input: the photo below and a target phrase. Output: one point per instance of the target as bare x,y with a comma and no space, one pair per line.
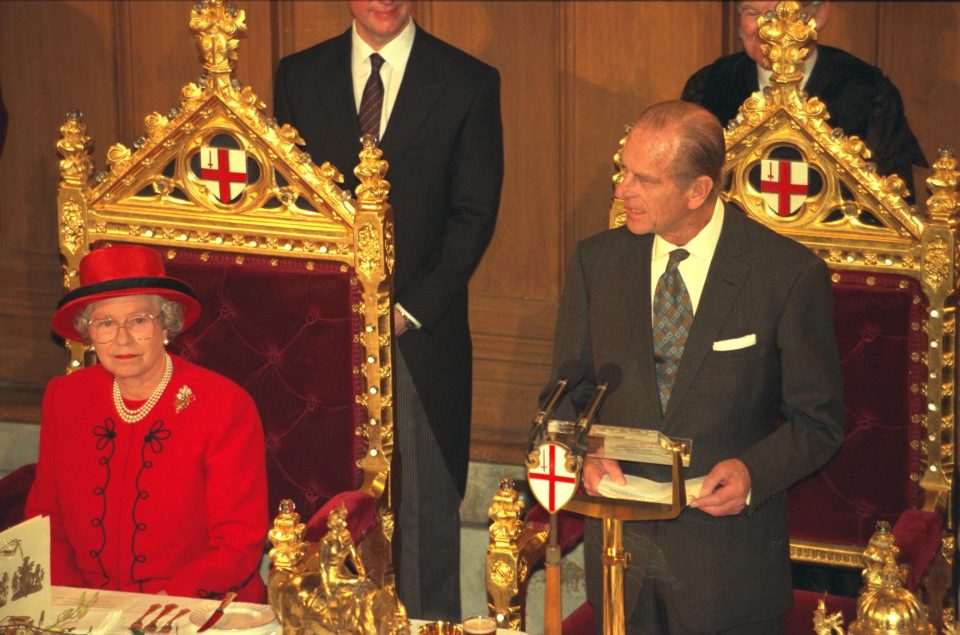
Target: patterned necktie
371,103
672,317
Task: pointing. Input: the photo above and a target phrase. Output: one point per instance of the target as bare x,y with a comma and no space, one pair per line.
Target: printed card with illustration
25,572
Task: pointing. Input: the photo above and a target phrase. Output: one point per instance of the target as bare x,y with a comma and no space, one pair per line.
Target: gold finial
785,34
944,202
884,606
504,571
216,26
287,537
74,145
373,188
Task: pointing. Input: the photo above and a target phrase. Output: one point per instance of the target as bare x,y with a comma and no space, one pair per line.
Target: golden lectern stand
613,512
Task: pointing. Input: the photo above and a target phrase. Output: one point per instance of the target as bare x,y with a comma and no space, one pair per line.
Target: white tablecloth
115,611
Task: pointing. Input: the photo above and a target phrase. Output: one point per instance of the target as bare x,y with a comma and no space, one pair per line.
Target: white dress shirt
395,55
694,268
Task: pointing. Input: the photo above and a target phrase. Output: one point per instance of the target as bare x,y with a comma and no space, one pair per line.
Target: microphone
608,379
570,375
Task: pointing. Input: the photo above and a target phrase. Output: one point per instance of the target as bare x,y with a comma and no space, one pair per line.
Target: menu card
25,572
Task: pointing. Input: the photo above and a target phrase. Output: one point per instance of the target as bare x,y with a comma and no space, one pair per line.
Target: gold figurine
327,590
884,607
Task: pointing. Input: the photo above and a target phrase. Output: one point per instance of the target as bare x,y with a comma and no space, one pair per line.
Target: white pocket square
736,343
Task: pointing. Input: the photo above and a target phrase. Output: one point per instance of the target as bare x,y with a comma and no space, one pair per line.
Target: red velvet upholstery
14,488
569,526
917,534
285,332
361,515
580,622
869,478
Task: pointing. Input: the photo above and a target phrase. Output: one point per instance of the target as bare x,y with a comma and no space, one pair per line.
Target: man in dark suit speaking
436,111
723,332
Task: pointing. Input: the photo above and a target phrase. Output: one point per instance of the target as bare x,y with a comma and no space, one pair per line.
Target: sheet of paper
25,571
643,489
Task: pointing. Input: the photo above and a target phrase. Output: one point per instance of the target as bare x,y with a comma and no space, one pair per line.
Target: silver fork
152,626
169,625
139,623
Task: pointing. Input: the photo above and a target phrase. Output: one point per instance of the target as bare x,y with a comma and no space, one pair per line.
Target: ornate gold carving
368,248
503,554
373,188
786,34
71,226
331,591
215,27
74,145
944,203
936,262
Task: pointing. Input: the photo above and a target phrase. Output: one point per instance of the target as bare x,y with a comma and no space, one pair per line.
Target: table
115,611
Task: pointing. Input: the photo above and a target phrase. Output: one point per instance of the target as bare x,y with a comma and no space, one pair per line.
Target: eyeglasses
141,326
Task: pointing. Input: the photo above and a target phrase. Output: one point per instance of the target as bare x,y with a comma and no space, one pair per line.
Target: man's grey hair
700,148
169,314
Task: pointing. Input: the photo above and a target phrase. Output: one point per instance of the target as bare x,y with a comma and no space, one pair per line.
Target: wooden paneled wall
573,73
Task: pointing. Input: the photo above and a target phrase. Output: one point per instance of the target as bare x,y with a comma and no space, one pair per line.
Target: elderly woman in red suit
152,469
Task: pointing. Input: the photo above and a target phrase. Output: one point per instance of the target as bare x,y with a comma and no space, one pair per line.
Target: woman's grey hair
169,313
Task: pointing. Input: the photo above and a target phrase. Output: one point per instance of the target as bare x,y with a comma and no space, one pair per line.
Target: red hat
121,270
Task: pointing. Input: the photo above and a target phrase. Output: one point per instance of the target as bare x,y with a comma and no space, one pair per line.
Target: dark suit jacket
444,144
859,98
730,570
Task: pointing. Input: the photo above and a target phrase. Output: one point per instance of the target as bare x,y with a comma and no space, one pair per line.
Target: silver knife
217,614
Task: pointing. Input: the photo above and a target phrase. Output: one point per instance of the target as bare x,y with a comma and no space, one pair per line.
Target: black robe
859,98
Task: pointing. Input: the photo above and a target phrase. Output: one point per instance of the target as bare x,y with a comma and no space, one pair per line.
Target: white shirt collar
700,246
395,53
763,74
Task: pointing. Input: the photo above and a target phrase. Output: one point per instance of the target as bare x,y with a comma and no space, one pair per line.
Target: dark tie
672,317
371,103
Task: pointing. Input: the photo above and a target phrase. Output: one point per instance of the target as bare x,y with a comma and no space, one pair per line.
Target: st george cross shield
223,171
552,482
783,185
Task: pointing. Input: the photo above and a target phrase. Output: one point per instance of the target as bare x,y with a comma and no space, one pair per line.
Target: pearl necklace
133,416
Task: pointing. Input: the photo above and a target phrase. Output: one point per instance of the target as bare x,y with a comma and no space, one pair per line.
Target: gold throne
294,275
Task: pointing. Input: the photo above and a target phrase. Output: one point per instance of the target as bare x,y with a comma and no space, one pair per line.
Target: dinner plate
236,617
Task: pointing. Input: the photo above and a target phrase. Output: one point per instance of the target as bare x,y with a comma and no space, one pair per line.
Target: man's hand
595,467
399,323
725,489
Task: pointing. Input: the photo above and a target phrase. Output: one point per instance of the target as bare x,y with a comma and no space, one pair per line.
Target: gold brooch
184,398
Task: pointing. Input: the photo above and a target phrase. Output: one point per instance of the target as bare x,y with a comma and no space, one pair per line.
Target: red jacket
175,502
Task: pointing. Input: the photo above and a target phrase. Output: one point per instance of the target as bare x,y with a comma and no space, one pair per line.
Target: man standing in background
859,97
436,111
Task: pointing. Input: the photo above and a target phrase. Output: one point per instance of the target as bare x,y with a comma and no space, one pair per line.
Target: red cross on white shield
223,171
552,484
783,185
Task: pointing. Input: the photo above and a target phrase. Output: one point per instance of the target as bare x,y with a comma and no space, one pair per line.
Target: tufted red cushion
361,515
881,345
285,333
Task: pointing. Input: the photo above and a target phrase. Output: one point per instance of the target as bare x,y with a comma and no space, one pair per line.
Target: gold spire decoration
373,188
216,27
74,146
944,202
505,570
786,34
